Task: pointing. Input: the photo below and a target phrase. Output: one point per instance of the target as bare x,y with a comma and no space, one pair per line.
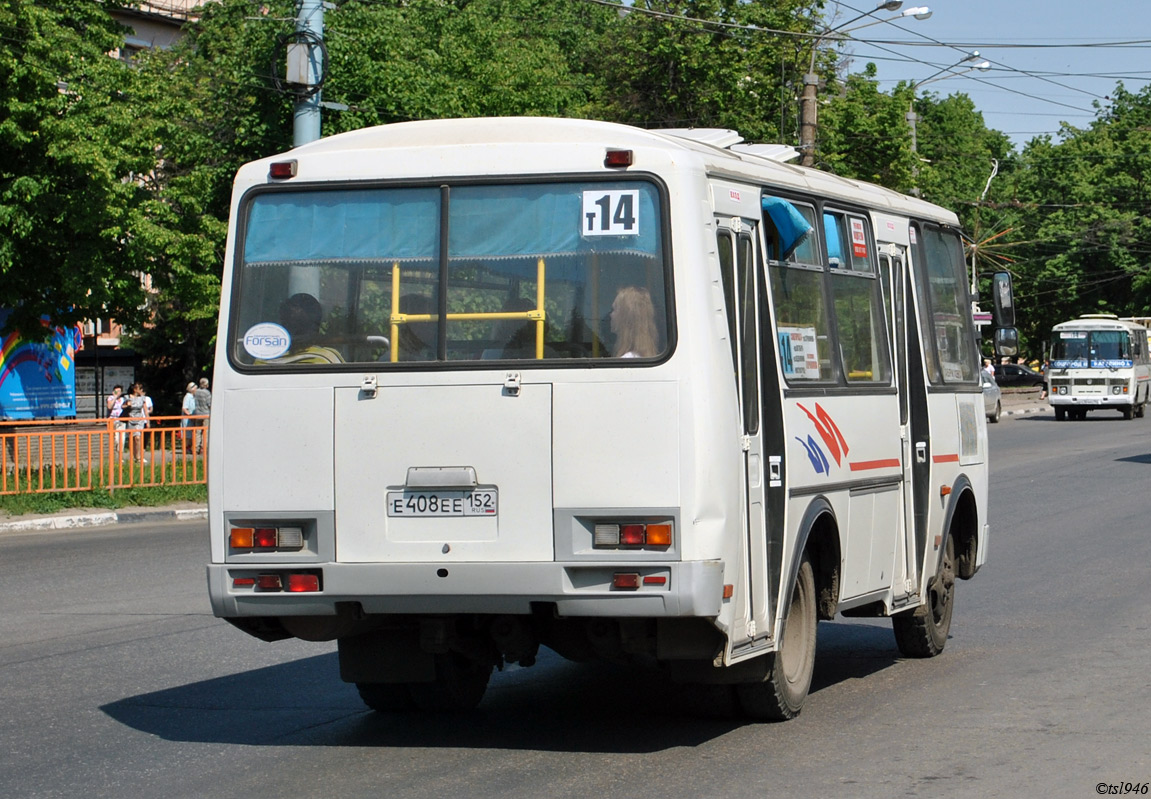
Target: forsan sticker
266,340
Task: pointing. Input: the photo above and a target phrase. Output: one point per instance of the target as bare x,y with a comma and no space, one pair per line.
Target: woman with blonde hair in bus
633,323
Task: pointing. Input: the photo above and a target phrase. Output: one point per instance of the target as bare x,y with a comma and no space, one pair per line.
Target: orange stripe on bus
954,458
886,463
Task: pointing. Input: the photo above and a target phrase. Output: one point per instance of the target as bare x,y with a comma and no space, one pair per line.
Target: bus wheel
922,632
994,417
780,696
460,684
386,697
1128,412
1060,414
1139,411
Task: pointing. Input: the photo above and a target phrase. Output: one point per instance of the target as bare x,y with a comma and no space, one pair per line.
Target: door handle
921,452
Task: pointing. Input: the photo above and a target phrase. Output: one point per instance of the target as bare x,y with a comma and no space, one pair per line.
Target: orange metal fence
88,454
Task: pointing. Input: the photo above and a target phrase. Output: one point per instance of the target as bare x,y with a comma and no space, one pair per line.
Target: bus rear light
269,582
241,538
244,582
659,535
300,583
625,581
266,538
618,158
632,534
606,535
281,170
655,579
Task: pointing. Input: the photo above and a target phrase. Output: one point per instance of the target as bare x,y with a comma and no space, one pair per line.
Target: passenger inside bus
301,315
633,323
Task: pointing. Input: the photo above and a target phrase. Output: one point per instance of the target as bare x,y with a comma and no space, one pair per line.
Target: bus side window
802,332
858,303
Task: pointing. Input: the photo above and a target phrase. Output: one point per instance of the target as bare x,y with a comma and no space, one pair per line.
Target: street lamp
808,113
912,117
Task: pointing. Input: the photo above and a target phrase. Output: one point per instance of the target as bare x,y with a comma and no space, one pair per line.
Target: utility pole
809,113
306,63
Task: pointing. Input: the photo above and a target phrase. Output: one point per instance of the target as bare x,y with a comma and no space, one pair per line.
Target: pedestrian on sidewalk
188,407
203,399
115,406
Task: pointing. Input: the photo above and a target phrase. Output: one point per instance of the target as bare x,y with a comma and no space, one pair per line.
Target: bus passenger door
911,426
740,266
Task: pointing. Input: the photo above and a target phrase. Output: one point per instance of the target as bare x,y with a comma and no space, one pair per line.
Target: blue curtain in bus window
365,224
834,245
789,223
524,222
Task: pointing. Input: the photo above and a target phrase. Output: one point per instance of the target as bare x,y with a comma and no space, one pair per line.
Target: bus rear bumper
679,589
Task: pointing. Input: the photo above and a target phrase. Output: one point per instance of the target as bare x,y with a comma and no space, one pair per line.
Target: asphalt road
115,680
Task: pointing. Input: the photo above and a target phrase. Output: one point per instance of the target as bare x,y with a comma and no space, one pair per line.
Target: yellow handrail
537,315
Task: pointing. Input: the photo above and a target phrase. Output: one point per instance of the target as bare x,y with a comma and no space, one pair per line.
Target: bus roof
713,149
1099,322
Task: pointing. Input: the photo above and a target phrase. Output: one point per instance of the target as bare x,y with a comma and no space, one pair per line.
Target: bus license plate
476,502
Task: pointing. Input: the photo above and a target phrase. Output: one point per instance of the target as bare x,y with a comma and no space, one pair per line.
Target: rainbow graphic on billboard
38,379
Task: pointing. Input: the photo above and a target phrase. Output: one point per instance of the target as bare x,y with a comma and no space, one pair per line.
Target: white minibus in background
1098,362
486,385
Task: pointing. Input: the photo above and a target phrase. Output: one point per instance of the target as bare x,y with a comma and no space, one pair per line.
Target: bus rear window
525,272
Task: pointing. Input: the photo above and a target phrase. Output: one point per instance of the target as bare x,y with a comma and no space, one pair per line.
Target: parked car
1013,374
992,404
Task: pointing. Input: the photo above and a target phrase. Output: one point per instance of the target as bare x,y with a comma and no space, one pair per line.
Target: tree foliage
71,138
111,171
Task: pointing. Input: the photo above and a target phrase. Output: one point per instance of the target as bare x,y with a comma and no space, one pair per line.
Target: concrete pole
912,118
808,118
306,118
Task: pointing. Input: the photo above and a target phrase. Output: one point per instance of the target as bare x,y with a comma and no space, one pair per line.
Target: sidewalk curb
102,519
1022,411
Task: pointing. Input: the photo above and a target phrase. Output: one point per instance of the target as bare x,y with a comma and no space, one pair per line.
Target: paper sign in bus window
798,353
609,212
858,239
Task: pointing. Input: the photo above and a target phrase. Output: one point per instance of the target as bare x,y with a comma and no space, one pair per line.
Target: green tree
660,71
72,143
1086,203
863,133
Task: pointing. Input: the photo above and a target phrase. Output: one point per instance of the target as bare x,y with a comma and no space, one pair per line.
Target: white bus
486,385
1098,362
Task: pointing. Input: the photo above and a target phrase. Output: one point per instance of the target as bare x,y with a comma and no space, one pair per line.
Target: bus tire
386,697
781,694
994,417
1128,412
1060,414
922,631
1140,410
459,684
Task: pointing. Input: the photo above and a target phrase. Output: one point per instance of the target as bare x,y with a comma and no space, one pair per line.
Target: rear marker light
618,158
243,582
303,582
269,582
728,590
631,535
625,581
655,579
282,169
265,538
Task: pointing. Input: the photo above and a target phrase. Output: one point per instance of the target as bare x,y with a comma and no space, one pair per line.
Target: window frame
240,226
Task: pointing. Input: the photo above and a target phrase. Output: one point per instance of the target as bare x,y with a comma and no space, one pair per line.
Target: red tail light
300,583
